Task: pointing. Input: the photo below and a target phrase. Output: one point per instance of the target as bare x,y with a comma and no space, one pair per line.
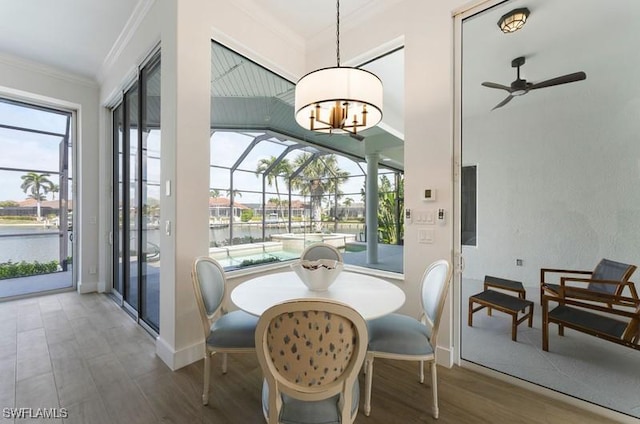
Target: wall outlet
519,262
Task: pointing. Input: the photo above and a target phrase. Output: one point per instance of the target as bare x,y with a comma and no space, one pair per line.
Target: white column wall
49,86
427,28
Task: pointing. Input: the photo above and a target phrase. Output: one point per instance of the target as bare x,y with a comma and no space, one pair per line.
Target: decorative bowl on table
317,275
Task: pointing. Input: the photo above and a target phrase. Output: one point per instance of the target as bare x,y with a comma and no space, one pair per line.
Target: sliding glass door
136,208
35,198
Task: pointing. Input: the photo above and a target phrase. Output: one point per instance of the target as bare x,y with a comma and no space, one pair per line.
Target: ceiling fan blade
499,86
576,76
502,103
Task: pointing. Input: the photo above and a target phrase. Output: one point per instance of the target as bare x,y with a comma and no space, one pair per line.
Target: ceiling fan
520,86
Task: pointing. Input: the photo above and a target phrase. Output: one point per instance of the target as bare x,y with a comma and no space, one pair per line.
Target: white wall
30,81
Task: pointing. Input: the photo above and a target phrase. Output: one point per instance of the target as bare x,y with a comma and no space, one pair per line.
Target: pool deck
390,258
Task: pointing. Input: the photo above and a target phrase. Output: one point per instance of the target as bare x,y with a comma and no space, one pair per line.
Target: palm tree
54,189
214,193
280,169
322,175
234,193
38,185
348,202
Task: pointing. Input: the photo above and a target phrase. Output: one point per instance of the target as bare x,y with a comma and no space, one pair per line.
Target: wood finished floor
83,353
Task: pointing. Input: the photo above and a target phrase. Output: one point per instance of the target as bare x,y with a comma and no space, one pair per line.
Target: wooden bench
504,303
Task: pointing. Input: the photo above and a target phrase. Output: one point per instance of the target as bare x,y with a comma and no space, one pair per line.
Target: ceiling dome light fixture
514,20
338,100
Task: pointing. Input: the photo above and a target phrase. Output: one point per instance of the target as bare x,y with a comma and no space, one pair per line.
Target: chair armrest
544,271
566,294
563,280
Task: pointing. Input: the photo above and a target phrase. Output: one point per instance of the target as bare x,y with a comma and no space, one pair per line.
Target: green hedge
25,269
251,262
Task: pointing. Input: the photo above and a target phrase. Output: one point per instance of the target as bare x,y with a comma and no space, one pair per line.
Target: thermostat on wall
429,194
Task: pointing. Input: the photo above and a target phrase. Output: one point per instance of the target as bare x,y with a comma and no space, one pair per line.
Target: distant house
299,209
28,207
220,207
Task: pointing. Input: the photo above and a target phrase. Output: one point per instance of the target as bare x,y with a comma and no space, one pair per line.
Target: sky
27,151
227,147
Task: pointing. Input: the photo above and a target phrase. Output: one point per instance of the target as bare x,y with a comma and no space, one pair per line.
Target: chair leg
434,388
421,372
207,366
367,386
224,363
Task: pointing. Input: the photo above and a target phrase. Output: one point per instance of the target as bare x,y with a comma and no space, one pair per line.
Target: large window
36,206
275,187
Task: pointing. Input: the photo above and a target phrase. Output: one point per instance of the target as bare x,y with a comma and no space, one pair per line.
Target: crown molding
131,26
28,65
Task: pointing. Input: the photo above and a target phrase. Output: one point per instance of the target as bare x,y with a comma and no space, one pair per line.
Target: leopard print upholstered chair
310,352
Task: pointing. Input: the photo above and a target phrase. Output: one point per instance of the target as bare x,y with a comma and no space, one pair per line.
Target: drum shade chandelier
338,100
514,20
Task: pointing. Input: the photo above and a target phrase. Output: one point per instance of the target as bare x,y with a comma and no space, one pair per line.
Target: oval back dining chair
224,332
310,352
397,336
316,251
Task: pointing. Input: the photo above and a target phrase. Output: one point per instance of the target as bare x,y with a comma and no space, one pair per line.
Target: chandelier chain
338,32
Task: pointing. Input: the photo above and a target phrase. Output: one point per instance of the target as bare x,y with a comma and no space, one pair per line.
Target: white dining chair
320,250
397,336
224,332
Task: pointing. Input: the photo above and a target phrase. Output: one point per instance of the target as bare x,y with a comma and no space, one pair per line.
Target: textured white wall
558,171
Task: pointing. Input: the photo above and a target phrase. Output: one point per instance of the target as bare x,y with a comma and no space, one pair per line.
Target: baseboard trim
181,358
444,356
102,287
87,287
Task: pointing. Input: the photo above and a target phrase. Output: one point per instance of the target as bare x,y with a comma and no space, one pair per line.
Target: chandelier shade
338,100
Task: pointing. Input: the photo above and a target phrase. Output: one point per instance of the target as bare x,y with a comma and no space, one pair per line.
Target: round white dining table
372,297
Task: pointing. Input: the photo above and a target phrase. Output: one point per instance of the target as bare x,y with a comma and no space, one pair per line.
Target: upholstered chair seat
323,411
399,334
